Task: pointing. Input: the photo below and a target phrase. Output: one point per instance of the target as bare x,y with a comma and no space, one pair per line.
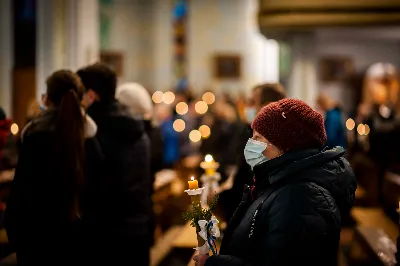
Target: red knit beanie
291,124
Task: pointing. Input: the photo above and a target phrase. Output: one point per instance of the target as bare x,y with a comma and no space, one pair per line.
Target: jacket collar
275,170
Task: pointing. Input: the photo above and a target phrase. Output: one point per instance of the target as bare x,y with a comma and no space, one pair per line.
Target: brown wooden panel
318,4
294,15
290,21
24,90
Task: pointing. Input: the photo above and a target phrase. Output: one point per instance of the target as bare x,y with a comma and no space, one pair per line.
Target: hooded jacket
295,217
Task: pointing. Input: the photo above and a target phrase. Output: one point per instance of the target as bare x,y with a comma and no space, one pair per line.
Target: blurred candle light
205,131
367,130
208,158
195,136
384,111
158,97
182,108
208,98
350,124
361,129
14,129
169,97
201,107
179,125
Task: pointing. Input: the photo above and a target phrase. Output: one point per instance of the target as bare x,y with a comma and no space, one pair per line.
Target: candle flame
192,178
208,158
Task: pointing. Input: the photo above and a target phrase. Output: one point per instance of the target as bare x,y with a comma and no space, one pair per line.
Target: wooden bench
164,245
391,193
374,237
10,260
372,246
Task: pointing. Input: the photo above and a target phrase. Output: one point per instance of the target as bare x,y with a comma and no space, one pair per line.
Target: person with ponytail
58,152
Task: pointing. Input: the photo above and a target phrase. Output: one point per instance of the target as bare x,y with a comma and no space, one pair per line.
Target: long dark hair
64,93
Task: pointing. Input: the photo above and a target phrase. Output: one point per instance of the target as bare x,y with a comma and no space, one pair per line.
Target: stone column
303,78
6,55
68,36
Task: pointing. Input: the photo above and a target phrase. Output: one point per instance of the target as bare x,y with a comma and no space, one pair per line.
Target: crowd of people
83,185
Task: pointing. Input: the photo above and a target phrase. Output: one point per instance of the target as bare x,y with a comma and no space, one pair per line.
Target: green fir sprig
197,213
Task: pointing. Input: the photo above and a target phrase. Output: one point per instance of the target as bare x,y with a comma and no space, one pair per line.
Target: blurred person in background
34,109
221,144
334,124
165,120
139,102
380,111
292,216
261,96
8,143
120,230
58,156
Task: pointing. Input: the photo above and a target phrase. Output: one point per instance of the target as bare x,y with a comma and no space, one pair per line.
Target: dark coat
37,221
127,196
296,216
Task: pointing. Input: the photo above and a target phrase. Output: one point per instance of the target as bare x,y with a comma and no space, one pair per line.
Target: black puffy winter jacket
295,217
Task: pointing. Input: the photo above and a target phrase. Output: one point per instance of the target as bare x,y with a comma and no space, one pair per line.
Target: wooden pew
10,260
164,245
374,237
391,194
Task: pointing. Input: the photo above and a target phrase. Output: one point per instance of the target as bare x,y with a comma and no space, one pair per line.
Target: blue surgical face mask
250,113
253,152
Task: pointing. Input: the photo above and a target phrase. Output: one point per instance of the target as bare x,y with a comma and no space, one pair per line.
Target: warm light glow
192,178
361,129
384,111
194,136
205,131
201,107
158,97
182,108
367,130
169,97
208,158
350,124
179,125
208,98
14,129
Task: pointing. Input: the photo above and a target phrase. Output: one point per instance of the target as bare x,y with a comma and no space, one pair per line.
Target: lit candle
193,184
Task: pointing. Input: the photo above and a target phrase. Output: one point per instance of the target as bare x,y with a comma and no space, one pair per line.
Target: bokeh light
208,158
158,97
194,136
182,108
14,129
169,97
201,107
179,125
350,124
208,98
205,131
361,129
367,130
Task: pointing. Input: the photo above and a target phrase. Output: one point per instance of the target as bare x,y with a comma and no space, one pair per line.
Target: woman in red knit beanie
292,215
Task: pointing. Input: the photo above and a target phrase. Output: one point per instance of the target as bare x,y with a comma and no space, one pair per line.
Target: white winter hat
379,70
137,98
